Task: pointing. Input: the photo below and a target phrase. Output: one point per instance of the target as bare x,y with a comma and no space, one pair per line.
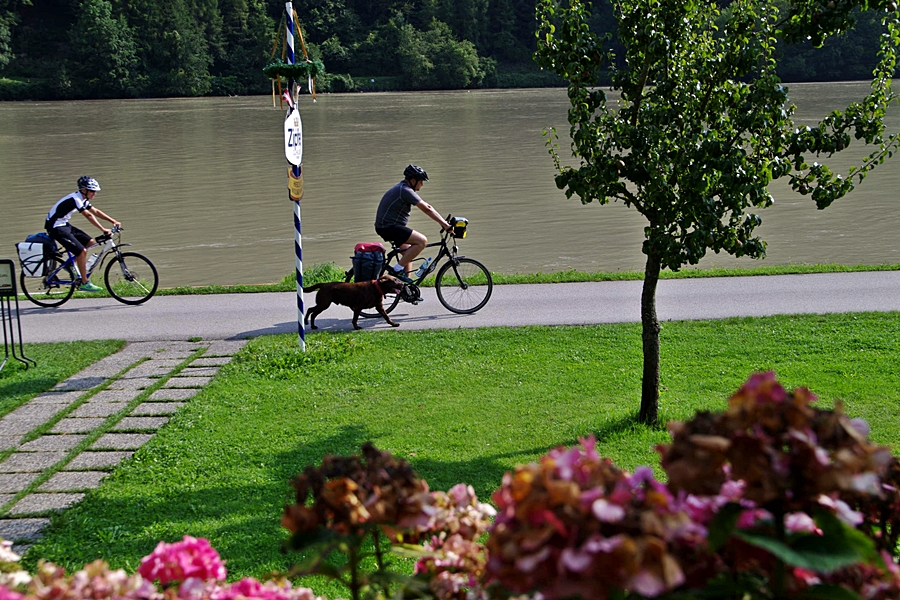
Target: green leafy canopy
697,123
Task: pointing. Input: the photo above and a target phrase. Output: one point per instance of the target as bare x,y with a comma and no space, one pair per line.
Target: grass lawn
461,406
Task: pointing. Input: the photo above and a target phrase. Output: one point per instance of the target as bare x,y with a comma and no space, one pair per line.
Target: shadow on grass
21,390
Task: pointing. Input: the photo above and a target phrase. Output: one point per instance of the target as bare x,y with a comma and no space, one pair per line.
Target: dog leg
311,316
355,319
386,317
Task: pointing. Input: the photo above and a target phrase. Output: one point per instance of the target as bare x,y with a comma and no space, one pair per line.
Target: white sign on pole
293,138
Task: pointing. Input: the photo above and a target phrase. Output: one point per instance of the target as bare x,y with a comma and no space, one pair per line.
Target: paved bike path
242,316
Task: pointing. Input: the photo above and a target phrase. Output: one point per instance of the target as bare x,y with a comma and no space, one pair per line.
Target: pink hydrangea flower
191,557
6,594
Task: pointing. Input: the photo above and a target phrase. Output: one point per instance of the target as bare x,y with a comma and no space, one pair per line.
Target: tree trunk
650,335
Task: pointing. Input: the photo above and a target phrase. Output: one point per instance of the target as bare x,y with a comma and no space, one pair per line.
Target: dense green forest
70,49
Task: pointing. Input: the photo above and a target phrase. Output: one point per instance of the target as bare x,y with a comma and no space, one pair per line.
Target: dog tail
312,288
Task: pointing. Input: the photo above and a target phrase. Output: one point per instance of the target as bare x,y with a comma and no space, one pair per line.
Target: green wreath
299,71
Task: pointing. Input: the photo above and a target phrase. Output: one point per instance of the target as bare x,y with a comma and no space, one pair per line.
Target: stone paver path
64,442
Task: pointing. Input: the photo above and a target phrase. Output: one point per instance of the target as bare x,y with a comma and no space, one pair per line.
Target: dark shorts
398,234
72,239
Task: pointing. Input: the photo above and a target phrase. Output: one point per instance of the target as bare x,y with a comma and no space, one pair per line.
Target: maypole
294,140
293,134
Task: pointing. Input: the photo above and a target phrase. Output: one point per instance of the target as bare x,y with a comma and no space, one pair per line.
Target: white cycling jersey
64,208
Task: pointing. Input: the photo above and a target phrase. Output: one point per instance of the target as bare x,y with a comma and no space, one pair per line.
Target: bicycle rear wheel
390,301
131,278
55,287
463,285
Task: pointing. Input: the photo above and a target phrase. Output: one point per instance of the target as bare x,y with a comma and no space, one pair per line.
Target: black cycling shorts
398,234
72,239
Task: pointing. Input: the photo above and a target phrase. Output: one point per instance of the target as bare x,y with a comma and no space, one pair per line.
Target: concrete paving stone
132,423
183,381
22,529
50,443
179,355
4,498
77,424
29,415
224,347
137,383
9,441
152,409
192,371
211,361
10,483
31,462
107,368
121,441
115,396
79,383
56,398
148,369
98,409
43,502
161,363
97,460
13,427
73,481
173,394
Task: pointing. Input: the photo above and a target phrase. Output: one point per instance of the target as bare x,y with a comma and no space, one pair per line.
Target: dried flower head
349,494
575,525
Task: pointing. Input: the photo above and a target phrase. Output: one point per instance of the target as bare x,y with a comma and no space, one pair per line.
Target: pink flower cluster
575,525
192,562
191,558
454,560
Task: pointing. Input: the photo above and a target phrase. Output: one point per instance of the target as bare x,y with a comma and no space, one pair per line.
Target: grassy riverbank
460,405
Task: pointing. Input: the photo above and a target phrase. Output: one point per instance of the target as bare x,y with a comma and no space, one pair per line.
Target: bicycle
463,285
130,277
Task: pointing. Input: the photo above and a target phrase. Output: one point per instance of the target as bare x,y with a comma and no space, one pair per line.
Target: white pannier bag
31,255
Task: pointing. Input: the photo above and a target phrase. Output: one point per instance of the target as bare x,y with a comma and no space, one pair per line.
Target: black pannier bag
368,260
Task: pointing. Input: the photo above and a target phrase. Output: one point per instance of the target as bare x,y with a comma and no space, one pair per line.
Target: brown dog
358,296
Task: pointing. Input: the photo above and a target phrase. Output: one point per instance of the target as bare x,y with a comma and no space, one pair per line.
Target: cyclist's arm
429,210
96,212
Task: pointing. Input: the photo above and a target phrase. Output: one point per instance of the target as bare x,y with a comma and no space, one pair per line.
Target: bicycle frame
445,251
109,247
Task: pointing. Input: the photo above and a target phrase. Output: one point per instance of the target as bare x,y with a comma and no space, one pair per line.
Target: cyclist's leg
405,238
86,241
414,246
68,239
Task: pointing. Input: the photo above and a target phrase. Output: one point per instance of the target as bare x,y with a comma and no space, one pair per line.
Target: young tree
701,123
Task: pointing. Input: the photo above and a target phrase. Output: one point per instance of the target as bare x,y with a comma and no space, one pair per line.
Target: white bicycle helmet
88,183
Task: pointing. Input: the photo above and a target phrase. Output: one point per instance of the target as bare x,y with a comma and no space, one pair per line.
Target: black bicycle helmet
415,172
88,183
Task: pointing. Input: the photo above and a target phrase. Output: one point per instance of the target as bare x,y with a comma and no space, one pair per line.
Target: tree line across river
76,49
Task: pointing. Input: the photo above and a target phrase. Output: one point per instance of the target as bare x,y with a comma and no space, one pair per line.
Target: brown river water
200,184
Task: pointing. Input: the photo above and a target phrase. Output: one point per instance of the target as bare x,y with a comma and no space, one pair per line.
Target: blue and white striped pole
295,182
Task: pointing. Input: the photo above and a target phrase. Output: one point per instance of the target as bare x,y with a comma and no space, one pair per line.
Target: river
200,183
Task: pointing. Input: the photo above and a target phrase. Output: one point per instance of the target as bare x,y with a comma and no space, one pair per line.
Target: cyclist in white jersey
70,237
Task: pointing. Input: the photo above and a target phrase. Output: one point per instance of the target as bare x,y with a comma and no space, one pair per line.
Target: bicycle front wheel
131,278
463,285
55,287
390,301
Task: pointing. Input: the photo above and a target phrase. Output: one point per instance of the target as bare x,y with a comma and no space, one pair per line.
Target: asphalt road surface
237,316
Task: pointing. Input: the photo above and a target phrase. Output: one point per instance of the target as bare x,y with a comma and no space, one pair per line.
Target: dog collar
377,287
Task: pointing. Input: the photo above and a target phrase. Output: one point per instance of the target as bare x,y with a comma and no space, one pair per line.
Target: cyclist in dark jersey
393,215
73,239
